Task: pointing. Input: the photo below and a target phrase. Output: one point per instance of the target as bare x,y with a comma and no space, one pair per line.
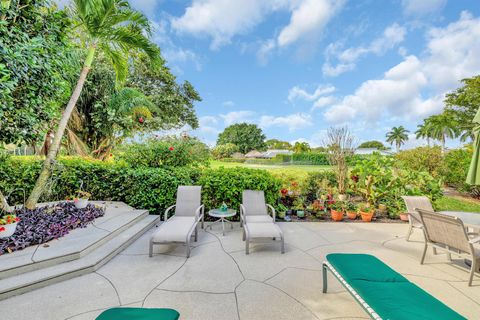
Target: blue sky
297,67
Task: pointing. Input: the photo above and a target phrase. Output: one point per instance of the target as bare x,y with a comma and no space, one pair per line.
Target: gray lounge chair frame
188,204
448,234
412,203
256,221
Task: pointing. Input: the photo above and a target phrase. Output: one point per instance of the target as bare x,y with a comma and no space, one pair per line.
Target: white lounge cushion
263,230
254,219
174,229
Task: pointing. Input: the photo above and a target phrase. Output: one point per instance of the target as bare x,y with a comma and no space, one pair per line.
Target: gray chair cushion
252,219
189,199
174,230
263,230
254,203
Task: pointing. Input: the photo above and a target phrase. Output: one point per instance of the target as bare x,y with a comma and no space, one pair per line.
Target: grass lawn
452,203
293,172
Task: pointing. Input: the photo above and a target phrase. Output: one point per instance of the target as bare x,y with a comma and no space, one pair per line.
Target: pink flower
2,229
171,148
140,120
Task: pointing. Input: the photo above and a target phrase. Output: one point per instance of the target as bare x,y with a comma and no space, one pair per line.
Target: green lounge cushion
138,314
386,291
363,267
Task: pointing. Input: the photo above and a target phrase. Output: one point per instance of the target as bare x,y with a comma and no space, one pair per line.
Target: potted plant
299,207
366,212
281,211
80,199
351,208
336,210
8,225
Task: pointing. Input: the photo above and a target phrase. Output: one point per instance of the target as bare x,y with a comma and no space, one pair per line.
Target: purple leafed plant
47,223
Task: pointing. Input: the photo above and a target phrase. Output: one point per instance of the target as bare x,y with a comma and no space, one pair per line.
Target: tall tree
33,49
299,147
246,137
372,144
397,135
462,104
115,28
423,132
441,126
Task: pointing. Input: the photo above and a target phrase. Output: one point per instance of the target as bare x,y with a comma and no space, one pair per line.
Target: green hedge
143,188
312,158
226,185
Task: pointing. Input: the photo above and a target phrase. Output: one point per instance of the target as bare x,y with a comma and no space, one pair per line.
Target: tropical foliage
373,144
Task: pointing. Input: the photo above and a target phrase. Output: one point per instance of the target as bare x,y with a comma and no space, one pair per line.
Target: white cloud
221,19
391,36
451,54
299,93
308,20
323,102
422,7
266,49
292,122
238,117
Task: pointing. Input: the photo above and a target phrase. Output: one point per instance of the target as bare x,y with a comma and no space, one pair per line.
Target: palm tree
423,132
397,135
113,27
440,127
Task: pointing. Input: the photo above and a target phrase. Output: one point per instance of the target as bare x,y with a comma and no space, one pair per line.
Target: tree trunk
4,204
443,144
48,164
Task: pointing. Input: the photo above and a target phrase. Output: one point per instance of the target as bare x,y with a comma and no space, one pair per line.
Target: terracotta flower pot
366,216
336,215
352,215
404,216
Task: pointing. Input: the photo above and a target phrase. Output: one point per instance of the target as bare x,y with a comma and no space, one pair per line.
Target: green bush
163,153
227,184
234,160
427,159
224,150
312,158
316,181
282,158
455,168
143,188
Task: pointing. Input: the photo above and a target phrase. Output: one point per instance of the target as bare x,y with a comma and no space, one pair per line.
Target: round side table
217,213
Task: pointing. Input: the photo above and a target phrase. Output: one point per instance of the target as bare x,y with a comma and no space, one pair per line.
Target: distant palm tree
113,27
423,132
397,135
440,127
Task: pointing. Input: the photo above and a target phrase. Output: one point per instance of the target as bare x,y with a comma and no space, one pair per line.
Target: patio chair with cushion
383,292
138,314
448,234
256,221
184,223
412,203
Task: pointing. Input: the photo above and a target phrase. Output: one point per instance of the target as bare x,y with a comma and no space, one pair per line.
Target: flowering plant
79,195
8,219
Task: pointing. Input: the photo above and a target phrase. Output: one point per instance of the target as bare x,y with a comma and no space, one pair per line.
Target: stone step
76,244
89,263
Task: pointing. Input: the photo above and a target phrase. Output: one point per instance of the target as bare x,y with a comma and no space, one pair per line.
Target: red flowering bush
8,219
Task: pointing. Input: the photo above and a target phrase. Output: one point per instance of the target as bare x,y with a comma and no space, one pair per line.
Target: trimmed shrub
455,168
143,188
227,184
310,158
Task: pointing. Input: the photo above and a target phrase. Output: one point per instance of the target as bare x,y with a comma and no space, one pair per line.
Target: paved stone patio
220,282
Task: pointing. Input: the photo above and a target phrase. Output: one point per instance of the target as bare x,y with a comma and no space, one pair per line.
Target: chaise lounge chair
256,221
383,292
138,314
180,227
448,234
412,203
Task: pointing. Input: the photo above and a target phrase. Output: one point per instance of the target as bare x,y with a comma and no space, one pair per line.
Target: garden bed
48,223
327,218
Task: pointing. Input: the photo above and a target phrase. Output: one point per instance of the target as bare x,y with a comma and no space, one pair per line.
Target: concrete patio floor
220,282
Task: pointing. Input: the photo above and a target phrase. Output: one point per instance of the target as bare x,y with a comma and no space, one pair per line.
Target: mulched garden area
47,223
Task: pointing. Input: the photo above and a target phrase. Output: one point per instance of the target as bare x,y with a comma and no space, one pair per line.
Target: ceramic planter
9,230
281,215
382,207
352,215
404,216
366,216
300,213
81,203
342,197
336,215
